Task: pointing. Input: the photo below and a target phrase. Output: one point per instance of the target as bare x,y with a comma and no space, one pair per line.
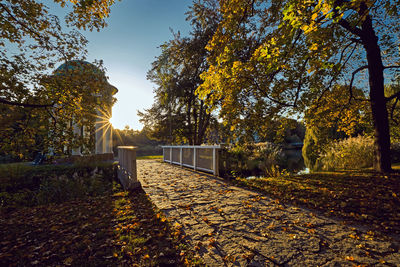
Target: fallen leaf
68,261
349,258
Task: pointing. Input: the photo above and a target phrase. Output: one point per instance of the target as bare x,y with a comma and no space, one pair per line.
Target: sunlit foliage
178,115
274,57
33,42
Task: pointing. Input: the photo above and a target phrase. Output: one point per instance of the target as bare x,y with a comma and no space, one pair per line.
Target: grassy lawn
366,198
150,157
396,166
116,228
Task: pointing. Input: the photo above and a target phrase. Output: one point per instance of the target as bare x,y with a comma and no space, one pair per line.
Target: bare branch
362,11
392,111
270,98
396,95
352,80
341,67
48,44
300,84
246,11
23,25
3,101
52,116
354,30
392,67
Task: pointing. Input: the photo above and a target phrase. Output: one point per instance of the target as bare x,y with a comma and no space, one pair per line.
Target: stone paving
231,226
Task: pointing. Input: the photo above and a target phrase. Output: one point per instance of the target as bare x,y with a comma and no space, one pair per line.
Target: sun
112,121
104,117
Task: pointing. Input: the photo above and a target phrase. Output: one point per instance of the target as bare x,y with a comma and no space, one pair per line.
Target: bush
395,152
64,188
311,147
27,185
350,153
252,159
315,142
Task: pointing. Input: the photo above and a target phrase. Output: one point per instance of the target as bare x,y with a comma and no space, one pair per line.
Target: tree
85,96
32,41
80,89
178,115
129,137
335,111
334,117
280,55
394,110
34,101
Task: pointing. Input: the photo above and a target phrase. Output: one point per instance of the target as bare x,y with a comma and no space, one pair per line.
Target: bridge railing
203,158
127,172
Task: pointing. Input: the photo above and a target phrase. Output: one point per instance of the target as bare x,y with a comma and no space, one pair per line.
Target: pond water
304,171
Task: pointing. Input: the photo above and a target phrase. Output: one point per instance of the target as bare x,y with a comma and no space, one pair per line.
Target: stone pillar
127,172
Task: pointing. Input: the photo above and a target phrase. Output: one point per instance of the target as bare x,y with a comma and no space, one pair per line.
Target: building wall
103,134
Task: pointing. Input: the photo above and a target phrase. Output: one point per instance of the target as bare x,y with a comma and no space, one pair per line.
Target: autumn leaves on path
117,229
228,225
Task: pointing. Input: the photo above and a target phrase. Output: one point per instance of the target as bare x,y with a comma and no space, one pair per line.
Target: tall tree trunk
369,39
204,121
189,120
196,124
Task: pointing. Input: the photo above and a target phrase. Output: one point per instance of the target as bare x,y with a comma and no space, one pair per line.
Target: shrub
395,152
27,185
252,159
66,188
315,142
350,153
310,150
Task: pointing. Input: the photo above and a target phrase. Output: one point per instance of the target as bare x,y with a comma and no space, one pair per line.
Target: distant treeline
141,139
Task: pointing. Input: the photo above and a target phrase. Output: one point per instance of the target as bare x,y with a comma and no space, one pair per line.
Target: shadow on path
116,229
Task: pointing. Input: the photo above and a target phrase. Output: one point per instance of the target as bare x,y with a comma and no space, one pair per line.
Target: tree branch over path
32,32
12,103
352,80
396,95
334,77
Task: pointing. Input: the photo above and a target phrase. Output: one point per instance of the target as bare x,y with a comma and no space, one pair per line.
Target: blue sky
128,46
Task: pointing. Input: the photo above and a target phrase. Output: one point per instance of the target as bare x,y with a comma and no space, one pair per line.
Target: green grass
365,198
396,166
150,157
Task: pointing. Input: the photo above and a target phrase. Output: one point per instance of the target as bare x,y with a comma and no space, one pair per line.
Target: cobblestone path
232,226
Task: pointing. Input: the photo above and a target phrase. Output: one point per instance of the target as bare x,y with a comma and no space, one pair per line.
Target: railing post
214,162
163,154
214,168
181,157
194,158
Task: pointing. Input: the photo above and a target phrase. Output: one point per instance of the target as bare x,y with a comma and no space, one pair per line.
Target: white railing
203,158
127,172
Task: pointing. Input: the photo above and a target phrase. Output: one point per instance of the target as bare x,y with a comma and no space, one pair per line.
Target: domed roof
77,64
73,65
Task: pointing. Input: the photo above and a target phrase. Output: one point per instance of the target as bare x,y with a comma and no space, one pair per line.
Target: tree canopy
35,101
33,42
178,115
269,58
